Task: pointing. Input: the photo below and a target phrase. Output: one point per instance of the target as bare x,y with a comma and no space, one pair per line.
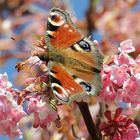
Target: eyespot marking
86,86
60,92
85,45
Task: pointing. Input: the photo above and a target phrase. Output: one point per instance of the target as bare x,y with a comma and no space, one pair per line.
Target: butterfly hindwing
63,84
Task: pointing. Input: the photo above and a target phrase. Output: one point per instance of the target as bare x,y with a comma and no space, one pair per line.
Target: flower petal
126,46
108,115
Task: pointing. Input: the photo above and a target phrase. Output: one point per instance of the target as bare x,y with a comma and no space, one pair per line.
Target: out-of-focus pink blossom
119,127
34,60
4,83
135,70
138,59
30,80
10,112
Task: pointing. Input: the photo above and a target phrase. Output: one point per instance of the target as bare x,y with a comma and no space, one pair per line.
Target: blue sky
80,8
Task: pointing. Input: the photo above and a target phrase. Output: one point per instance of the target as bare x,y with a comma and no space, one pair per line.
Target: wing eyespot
86,86
85,45
60,92
81,46
57,89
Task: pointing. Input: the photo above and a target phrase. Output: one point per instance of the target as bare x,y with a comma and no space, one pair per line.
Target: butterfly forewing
65,36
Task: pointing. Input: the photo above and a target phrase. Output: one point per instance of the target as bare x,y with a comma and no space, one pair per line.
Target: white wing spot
70,30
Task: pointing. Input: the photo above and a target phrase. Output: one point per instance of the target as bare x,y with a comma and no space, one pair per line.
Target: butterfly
74,63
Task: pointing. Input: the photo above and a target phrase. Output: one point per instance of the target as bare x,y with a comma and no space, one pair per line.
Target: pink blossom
105,74
35,60
4,83
135,70
126,46
108,94
30,80
123,58
38,84
43,114
130,92
119,74
10,112
138,59
118,127
121,79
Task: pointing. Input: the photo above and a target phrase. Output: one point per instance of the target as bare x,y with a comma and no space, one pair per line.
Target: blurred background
22,22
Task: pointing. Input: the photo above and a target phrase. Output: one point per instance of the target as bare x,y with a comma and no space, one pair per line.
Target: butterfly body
74,63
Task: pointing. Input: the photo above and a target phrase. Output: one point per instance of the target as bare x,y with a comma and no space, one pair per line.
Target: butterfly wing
75,61
63,84
65,36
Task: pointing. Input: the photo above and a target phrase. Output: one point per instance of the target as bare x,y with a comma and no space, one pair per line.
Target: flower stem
83,106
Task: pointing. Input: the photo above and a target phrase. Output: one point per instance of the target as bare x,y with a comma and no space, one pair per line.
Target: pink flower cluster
43,113
119,127
121,79
10,112
38,102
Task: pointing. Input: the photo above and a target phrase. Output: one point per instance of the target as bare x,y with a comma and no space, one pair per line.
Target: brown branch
90,17
83,106
99,117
